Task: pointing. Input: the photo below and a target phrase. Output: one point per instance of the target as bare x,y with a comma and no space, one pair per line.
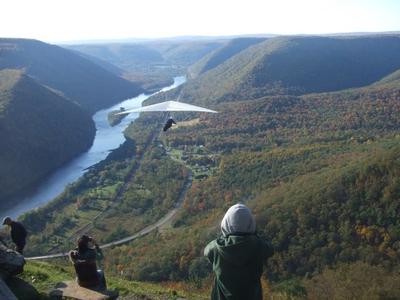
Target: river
107,138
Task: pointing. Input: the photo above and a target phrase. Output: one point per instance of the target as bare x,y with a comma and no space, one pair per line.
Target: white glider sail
168,106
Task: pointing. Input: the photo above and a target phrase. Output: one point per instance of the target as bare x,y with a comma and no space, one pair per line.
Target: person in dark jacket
18,233
168,125
237,257
84,260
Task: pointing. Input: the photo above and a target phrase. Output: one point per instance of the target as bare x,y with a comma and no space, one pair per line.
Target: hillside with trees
39,131
221,54
307,135
75,77
186,52
125,56
151,63
296,66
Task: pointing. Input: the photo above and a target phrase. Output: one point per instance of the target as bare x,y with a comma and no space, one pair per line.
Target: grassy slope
45,276
76,77
40,131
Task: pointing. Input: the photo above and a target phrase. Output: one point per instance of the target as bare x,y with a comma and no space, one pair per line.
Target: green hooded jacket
238,264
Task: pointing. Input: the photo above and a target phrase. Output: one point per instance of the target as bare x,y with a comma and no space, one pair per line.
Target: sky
78,20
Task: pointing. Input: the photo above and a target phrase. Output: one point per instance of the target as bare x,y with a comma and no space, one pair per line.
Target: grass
39,278
194,153
187,123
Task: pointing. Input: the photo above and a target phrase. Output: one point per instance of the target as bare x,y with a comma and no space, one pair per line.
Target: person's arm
24,232
209,251
72,256
99,252
13,234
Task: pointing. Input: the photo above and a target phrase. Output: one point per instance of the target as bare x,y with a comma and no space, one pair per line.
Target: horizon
212,37
204,37
74,21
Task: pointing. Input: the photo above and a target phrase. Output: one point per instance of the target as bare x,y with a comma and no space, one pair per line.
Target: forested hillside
125,56
283,143
39,131
184,52
340,214
152,63
297,65
221,54
77,78
307,135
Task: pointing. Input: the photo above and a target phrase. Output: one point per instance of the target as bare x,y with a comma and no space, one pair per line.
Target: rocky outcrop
71,290
11,262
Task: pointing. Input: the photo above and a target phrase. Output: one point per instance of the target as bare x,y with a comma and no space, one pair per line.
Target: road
155,226
159,224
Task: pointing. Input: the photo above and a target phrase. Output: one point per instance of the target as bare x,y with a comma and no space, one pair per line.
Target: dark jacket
18,233
168,124
86,267
238,264
90,255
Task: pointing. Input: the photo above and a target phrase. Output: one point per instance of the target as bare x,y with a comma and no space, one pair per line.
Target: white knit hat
238,219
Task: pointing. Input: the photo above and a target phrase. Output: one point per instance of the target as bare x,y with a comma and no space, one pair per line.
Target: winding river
107,138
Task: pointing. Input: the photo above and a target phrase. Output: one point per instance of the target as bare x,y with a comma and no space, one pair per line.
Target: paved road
159,224
117,198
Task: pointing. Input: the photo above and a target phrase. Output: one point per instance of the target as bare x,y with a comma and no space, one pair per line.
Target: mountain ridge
296,65
40,130
77,78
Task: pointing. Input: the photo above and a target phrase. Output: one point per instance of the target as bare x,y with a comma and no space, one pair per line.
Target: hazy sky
64,20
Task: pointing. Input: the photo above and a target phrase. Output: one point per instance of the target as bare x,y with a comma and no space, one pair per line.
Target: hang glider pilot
168,106
168,125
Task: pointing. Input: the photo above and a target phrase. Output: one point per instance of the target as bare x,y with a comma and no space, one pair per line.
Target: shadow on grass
23,290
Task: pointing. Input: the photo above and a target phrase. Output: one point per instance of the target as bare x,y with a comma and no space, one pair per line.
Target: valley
307,136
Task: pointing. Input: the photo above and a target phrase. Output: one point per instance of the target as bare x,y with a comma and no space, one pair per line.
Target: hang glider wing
168,106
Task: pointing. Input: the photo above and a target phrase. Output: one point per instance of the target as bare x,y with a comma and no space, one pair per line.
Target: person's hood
238,220
238,250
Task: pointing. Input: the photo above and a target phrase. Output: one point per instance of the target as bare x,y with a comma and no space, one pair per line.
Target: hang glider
168,106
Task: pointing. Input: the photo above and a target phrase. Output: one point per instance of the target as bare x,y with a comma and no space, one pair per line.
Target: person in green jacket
237,257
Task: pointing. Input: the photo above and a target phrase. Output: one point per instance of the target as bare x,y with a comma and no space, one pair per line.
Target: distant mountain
185,53
39,131
222,54
153,64
128,55
77,78
121,55
102,63
297,65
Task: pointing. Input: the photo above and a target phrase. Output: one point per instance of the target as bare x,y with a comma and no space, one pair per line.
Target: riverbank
106,139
